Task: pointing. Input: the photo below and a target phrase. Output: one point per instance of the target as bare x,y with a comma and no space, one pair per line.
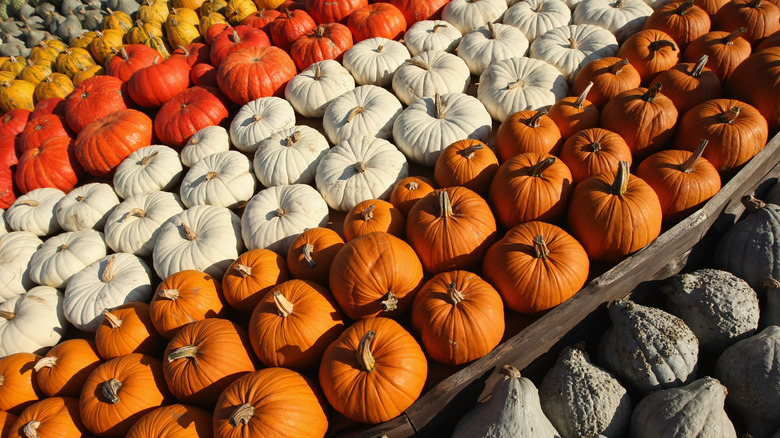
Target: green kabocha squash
691,411
582,399
513,411
773,197
771,312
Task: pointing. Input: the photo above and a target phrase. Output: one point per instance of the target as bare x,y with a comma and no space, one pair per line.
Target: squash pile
283,212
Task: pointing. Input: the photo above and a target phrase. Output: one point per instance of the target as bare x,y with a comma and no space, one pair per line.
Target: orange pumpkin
120,392
592,151
757,81
204,357
173,421
683,180
468,163
459,316
62,372
650,51
128,329
572,114
375,274
271,402
373,215
251,276
13,64
408,191
614,215
293,324
183,298
710,6
54,416
760,18
311,254
530,187
688,85
610,76
683,21
725,50
527,131
104,143
7,420
536,266
373,371
19,387
451,228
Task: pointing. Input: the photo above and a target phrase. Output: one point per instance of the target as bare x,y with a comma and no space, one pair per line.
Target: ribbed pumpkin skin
75,361
155,84
373,215
324,11
103,144
7,420
325,244
16,94
725,51
757,81
520,134
761,18
326,41
93,99
408,191
52,105
286,404
52,164
130,59
251,276
187,113
681,21
134,334
468,163
650,51
610,77
580,155
54,85
687,87
377,20
415,11
40,128
255,72
289,26
234,39
58,417
173,421
19,389
199,297
13,122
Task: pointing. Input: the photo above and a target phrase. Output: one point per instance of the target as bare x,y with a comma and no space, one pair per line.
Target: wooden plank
436,411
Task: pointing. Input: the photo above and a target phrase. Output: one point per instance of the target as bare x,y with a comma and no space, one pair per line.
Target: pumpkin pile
211,202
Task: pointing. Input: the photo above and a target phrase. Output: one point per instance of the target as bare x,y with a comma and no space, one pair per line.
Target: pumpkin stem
189,232
287,12
683,8
729,39
284,307
580,102
2,379
699,67
242,415
30,430
320,32
112,319
516,84
211,175
595,146
755,4
469,152
136,211
317,71
770,283
537,170
509,371
730,115
652,93
368,213
111,390
149,158
492,30
187,351
536,119
360,167
108,272
573,44
456,296
308,254
379,48
62,247
243,270
30,202
419,63
620,185
540,248
445,204
257,117
752,203
687,167
412,185
279,212
438,105
194,140
292,139
437,27
168,294
355,111
45,362
389,303
617,67
660,44
365,359
10,316
236,38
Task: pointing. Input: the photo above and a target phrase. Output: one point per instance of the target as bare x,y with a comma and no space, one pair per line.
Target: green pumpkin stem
308,254
284,307
242,415
111,390
537,170
445,204
541,251
582,98
752,204
617,67
699,67
389,302
456,296
368,213
687,166
652,93
729,39
469,152
185,352
112,319
620,185
683,8
30,430
365,359
536,119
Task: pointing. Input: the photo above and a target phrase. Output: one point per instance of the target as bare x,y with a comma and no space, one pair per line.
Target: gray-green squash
513,411
582,399
750,369
647,347
70,28
771,312
691,411
774,194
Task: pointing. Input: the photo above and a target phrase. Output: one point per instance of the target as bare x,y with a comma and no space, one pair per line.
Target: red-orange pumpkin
187,113
326,11
262,19
14,121
311,254
757,81
7,420
128,329
52,164
289,26
373,215
326,41
234,39
468,163
129,59
93,99
527,131
65,368
152,86
416,10
20,387
376,20
255,72
40,128
251,276
592,151
104,143
185,297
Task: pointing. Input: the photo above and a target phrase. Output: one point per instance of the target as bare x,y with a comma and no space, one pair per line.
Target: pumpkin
149,169
468,163
52,164
34,73
262,19
207,141
366,110
518,84
103,144
47,49
688,85
34,212
407,191
204,357
86,207
183,298
16,94
569,48
357,169
234,39
326,41
203,74
16,250
754,82
180,32
610,76
293,324
300,148
187,113
381,364
683,22
415,11
158,43
100,46
374,61
467,15
85,73
710,6
527,131
120,392
20,387
382,20
622,17
574,114
459,316
127,329
64,255
209,19
373,215
194,53
311,254
134,225
14,65
224,179
49,417
118,20
593,151
427,35
429,73
258,119
237,10
104,284
289,26
311,91
276,398
32,322
93,99
255,72
52,105
141,31
41,128
488,44
7,195
761,18
328,12
535,17
70,60
13,122
7,420
64,369
725,51
173,420
736,132
650,52
157,83
203,237
251,276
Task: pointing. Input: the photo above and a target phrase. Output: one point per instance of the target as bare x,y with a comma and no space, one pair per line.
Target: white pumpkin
204,238
310,91
65,254
569,48
134,224
34,212
535,17
290,156
207,141
3,225
258,119
358,169
519,84
373,61
33,322
148,169
274,217
366,110
621,17
16,250
431,72
490,43
86,207
431,124
107,283
431,35
572,4
467,15
224,179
